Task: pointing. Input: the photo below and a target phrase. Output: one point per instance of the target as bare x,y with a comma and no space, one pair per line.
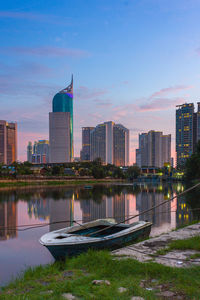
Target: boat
99,234
88,187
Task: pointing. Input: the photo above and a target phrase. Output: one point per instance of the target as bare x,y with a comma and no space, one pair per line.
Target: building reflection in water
8,220
62,210
39,206
150,197
119,204
183,214
116,207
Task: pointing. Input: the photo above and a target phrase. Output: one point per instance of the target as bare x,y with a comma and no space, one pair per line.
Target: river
22,208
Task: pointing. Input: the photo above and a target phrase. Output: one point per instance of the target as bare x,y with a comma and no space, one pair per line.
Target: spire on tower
69,89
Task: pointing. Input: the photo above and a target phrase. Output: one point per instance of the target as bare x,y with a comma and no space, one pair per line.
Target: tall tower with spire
61,126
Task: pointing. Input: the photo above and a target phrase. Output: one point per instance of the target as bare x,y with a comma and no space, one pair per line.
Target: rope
147,210
38,225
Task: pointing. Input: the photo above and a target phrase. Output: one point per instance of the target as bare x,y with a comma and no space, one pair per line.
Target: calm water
21,249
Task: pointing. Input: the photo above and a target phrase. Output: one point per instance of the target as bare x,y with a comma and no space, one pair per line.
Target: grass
186,225
48,183
192,243
196,255
126,273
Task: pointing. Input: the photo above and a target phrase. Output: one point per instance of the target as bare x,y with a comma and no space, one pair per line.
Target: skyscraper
39,153
29,152
86,143
120,145
154,149
43,150
110,142
187,131
61,126
8,142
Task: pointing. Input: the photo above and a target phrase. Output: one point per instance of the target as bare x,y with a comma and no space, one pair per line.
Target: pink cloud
45,51
173,89
160,104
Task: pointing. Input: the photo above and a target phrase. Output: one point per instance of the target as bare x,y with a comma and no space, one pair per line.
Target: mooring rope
145,211
38,225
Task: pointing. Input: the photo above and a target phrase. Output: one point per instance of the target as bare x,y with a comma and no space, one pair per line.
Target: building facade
86,143
110,142
187,131
39,152
8,142
154,149
61,126
120,145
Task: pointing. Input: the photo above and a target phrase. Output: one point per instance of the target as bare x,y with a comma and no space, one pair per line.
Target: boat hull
62,251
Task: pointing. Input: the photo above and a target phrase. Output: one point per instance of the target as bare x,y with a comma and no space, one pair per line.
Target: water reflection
118,202
103,201
8,220
53,205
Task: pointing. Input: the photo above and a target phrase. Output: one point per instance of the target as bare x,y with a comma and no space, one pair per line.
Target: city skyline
133,62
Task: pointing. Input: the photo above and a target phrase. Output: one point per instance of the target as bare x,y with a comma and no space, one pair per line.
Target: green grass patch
192,243
49,182
85,268
186,225
196,255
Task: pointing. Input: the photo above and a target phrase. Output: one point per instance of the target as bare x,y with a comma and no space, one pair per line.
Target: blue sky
132,60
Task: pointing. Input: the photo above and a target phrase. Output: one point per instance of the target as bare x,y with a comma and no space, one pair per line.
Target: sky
133,61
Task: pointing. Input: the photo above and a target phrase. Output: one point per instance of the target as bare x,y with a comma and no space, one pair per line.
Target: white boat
99,234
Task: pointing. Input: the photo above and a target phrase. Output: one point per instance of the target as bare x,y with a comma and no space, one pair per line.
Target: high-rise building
187,131
154,149
120,145
29,152
43,150
8,142
110,142
39,153
86,143
61,126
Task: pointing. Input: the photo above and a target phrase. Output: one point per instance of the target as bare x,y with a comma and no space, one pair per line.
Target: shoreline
121,275
15,183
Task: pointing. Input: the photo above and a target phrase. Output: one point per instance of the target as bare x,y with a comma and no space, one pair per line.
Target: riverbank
54,182
102,275
165,250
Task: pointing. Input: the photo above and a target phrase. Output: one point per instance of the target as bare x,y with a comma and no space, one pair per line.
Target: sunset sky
133,61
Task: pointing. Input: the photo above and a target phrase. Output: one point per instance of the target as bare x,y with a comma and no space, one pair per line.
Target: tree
56,170
98,172
133,172
97,161
192,166
118,173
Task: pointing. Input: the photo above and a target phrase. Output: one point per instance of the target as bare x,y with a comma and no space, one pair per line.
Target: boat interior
93,231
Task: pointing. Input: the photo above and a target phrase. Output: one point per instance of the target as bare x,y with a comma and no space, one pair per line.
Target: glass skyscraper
61,126
186,132
63,102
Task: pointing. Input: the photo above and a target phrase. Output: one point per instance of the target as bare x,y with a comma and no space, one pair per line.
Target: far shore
7,183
